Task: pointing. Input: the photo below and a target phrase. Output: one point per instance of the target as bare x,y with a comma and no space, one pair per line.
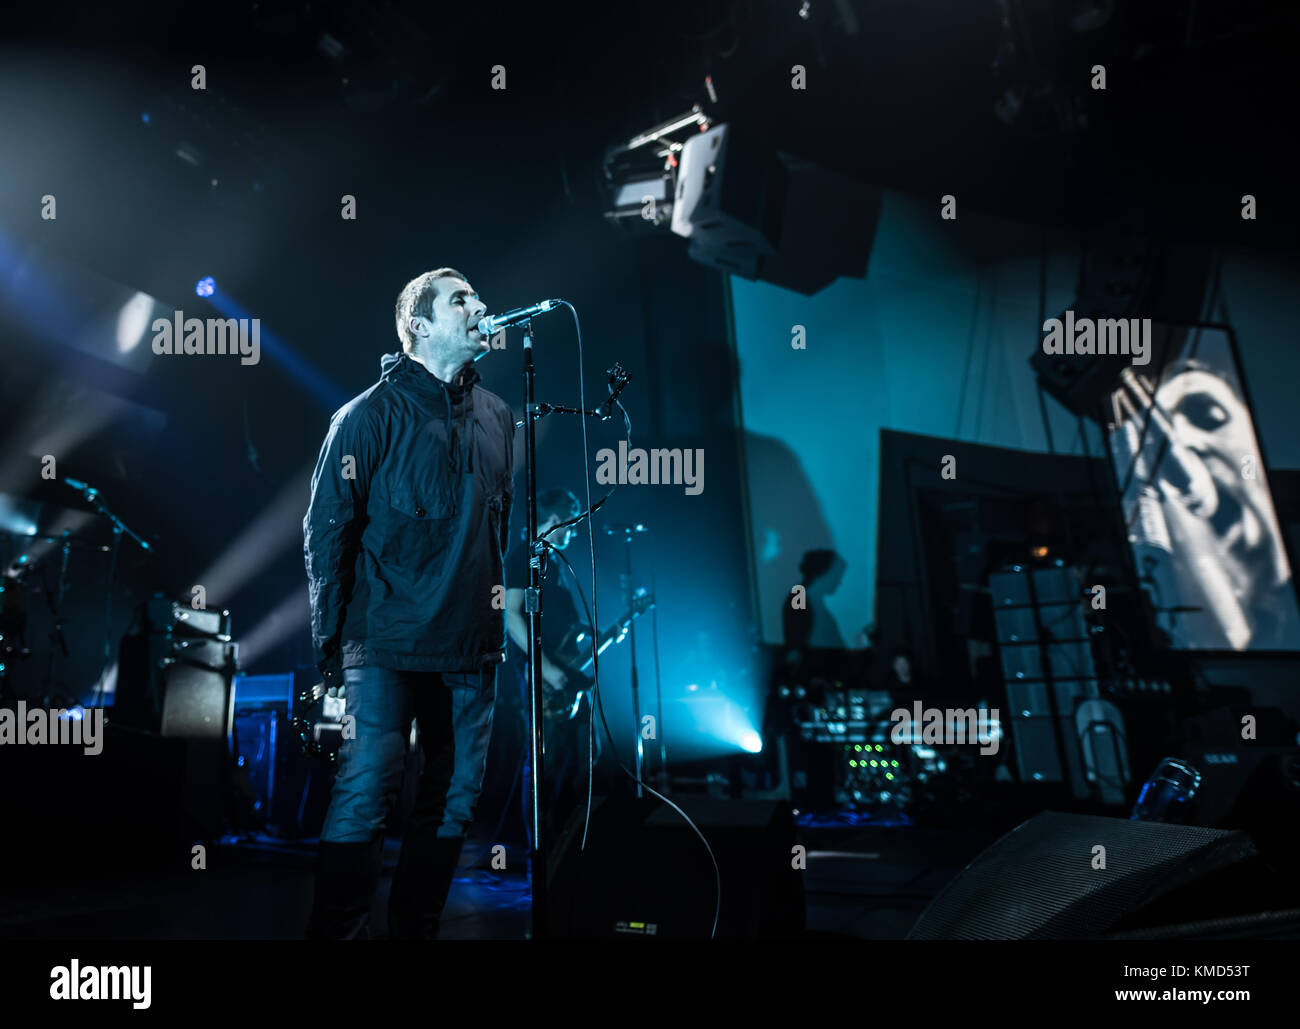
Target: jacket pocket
419,533
422,505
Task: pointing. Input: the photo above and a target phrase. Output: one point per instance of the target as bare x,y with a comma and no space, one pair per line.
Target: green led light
889,775
874,764
853,764
894,763
858,747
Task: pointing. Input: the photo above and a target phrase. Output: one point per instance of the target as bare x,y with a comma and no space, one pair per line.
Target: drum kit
25,584
33,559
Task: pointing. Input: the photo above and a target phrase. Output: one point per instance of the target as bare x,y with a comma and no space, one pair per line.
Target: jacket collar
400,367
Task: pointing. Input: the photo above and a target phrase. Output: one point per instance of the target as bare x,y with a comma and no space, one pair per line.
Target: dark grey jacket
408,525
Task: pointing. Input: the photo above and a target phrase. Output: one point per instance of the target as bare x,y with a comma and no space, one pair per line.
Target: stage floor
861,882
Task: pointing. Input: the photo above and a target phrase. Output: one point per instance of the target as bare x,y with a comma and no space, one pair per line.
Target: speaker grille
198,704
1037,882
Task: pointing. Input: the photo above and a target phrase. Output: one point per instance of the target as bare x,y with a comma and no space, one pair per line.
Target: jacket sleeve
336,516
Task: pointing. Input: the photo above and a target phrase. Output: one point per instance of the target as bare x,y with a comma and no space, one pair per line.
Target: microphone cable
597,703
598,706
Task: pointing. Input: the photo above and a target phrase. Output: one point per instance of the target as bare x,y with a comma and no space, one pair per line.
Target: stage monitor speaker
644,872
1044,880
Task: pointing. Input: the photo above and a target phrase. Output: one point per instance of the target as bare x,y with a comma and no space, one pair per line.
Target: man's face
451,333
1203,468
1200,506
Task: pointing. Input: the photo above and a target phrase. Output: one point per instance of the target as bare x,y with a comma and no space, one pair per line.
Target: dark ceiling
986,99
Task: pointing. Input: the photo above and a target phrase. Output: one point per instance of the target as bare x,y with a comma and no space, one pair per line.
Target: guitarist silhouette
565,738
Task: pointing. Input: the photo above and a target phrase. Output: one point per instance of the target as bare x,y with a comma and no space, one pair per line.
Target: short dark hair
817,563
558,502
416,301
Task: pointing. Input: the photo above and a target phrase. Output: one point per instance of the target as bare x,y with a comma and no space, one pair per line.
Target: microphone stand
628,590
57,640
119,530
629,599
533,608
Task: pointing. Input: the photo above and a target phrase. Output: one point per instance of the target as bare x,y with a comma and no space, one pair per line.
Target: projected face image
1209,544
1211,449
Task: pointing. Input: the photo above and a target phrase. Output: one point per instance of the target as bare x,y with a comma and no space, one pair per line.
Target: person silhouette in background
900,674
807,621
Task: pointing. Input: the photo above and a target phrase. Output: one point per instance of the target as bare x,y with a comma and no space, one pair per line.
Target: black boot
421,883
346,877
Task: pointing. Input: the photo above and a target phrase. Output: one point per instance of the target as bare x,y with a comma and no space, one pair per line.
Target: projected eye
1203,411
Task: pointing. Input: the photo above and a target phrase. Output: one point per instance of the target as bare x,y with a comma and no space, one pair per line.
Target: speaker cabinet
197,703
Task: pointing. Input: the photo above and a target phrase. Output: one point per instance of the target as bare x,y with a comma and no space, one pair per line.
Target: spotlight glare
752,742
133,321
205,287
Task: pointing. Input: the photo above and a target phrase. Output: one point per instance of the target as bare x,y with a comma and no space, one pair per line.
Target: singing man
405,538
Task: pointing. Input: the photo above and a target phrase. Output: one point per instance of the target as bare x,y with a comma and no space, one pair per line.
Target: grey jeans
453,711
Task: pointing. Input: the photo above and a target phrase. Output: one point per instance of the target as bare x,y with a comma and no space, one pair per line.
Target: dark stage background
210,459
919,336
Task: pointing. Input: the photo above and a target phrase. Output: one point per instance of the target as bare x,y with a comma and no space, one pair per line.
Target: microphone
493,323
618,380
